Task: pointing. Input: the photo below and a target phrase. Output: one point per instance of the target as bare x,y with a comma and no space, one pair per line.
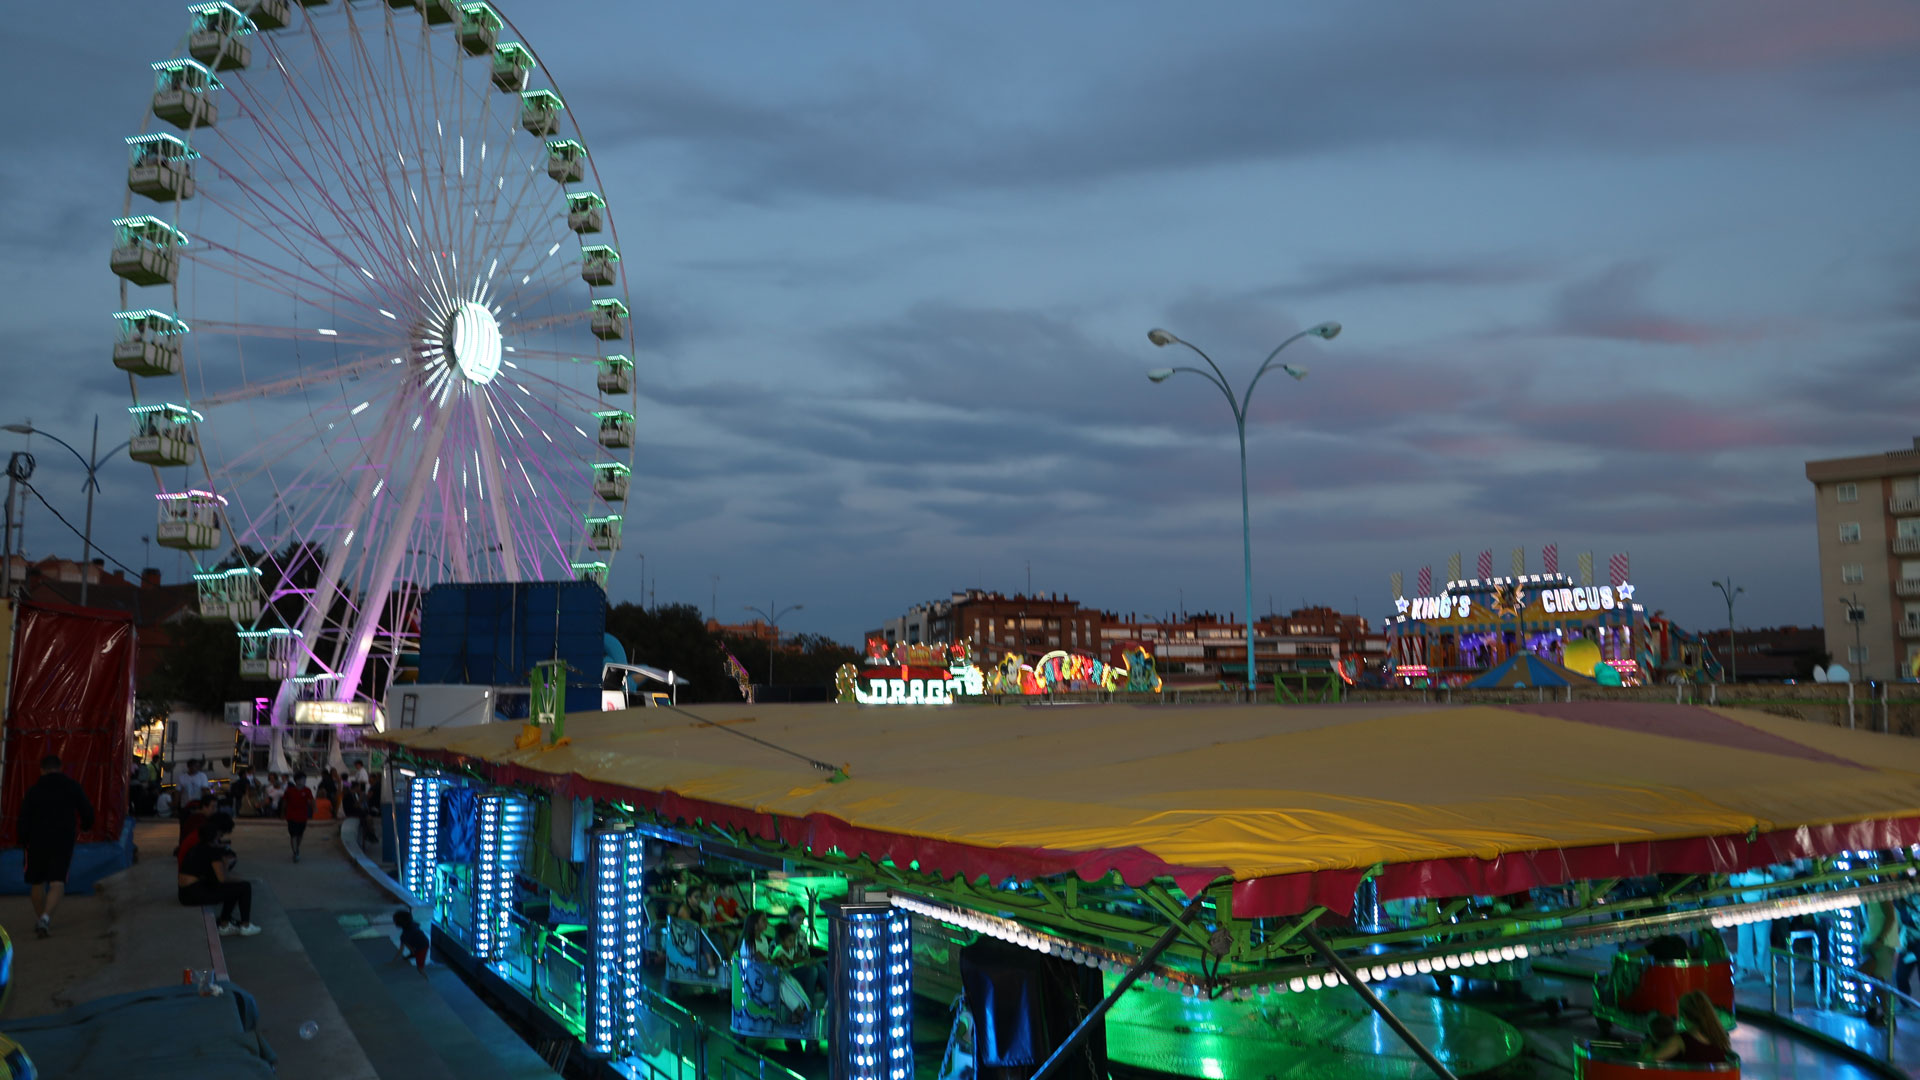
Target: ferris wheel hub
474,336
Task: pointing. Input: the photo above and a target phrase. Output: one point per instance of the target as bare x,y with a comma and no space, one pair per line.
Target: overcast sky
1609,275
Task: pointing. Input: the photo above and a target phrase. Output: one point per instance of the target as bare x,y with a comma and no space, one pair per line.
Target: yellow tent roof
1294,804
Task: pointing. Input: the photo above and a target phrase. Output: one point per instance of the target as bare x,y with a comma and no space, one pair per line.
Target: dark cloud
1504,76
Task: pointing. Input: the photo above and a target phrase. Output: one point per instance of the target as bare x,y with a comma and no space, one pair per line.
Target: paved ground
325,957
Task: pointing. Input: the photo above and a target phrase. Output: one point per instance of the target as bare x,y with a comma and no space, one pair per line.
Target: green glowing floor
1300,1036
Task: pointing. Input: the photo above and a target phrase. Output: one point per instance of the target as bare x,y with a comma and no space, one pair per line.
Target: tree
673,638
676,638
201,668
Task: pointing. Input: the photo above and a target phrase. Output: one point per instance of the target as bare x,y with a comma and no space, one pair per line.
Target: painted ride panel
768,1003
692,958
1598,1060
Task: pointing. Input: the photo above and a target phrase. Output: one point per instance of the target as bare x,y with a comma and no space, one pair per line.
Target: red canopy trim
1267,897
1290,894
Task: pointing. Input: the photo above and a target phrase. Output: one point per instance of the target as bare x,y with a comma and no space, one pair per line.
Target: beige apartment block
1868,509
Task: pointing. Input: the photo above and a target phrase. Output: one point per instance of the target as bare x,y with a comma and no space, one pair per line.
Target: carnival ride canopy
1526,669
1294,806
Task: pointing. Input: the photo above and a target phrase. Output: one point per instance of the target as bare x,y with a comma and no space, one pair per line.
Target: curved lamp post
92,485
1326,331
773,621
1729,591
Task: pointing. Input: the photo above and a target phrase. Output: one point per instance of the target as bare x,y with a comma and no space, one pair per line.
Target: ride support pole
1133,973
1373,1002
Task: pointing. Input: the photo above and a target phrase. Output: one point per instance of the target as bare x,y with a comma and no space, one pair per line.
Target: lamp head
1295,370
1161,337
19,429
1326,330
1160,374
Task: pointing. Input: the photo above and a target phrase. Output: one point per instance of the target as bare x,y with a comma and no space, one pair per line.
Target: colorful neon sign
904,686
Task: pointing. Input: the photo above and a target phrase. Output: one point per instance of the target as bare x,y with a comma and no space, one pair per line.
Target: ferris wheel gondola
370,347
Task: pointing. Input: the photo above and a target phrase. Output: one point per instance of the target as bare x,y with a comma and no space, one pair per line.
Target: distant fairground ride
372,320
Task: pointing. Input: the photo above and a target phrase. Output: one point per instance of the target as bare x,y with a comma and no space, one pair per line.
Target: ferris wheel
373,320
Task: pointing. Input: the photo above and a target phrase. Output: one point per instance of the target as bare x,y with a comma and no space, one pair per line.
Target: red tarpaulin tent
70,692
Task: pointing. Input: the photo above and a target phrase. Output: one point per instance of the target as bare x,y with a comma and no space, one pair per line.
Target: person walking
297,808
52,815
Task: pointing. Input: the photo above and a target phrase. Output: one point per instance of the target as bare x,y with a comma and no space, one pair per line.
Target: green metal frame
1306,687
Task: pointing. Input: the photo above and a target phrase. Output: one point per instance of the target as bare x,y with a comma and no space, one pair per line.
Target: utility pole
19,469
1728,590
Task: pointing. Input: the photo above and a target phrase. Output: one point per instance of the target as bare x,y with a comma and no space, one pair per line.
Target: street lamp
1326,331
773,621
92,485
1728,590
1855,615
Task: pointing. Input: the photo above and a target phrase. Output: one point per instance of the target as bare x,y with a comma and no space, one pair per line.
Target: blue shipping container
492,634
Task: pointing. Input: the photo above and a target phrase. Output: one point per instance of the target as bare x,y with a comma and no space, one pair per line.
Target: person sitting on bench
204,880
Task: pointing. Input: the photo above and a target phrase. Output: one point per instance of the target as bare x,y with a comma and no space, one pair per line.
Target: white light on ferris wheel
476,342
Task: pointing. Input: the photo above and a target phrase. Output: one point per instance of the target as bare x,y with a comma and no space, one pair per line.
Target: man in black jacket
51,817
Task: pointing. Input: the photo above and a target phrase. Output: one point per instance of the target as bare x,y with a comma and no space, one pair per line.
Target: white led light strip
1321,977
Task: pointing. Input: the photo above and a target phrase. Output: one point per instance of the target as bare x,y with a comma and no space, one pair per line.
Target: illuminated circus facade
1475,624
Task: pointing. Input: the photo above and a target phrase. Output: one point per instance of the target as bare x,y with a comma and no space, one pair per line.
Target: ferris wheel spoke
494,231
244,392
490,463
359,106
366,488
533,509
271,223
267,276
324,153
311,278
294,209
534,289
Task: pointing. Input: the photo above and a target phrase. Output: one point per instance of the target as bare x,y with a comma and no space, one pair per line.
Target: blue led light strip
617,918
875,994
501,844
1847,950
423,835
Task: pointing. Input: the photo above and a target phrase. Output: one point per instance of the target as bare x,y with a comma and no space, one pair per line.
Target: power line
837,772
70,527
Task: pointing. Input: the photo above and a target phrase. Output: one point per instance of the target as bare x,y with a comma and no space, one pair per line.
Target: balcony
1906,545
1904,504
1910,628
1907,587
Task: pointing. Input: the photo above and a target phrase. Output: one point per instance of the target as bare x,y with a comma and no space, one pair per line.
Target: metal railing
1903,504
670,1042
1823,989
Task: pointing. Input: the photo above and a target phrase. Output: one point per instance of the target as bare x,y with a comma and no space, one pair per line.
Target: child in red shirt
297,808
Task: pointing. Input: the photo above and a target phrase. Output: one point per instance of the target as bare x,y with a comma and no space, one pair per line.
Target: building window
1846,492
1857,654
1849,532
1852,573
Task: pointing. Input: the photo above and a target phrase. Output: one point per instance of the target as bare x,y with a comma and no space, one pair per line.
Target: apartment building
1868,513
